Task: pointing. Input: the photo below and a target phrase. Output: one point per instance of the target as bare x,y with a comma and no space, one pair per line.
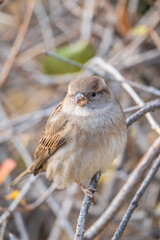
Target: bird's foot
89,192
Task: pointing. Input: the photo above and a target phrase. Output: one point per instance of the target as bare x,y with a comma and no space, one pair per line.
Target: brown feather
51,139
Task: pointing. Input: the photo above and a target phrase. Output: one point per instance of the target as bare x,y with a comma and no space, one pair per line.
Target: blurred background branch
118,40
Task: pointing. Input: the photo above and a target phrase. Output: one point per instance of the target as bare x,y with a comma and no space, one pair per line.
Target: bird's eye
93,94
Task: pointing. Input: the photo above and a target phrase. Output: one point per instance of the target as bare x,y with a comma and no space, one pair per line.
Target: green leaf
80,52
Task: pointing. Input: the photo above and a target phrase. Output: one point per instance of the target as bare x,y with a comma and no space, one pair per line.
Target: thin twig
18,218
84,210
15,203
135,200
21,225
29,117
58,224
150,19
72,7
12,237
148,57
7,19
151,90
106,42
155,37
45,26
135,108
39,48
41,199
2,229
148,108
56,209
87,19
18,42
67,60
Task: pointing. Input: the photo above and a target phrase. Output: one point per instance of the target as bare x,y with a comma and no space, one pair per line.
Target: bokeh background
126,34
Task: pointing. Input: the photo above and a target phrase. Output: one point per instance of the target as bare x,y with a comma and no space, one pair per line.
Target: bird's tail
20,177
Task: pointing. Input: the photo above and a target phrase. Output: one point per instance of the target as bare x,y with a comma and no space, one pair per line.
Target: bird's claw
89,192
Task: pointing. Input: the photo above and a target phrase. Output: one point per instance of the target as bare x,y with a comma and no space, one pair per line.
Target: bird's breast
94,142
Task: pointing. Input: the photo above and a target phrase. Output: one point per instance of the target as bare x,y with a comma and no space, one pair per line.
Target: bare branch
135,200
17,44
12,237
87,17
148,57
151,20
2,229
58,224
135,108
39,47
15,203
42,199
55,208
84,21
148,108
84,210
45,26
20,225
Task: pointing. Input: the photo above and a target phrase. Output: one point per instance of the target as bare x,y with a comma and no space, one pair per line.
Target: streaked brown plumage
82,136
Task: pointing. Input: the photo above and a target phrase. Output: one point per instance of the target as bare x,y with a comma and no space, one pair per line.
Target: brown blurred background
126,34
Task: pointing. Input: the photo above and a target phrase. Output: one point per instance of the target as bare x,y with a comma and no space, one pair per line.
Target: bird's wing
51,139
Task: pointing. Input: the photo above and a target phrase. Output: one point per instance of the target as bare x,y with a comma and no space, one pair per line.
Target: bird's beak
81,100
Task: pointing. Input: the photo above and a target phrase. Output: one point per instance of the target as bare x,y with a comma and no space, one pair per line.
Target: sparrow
82,136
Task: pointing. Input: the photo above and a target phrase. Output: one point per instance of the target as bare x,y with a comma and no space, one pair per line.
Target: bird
82,136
